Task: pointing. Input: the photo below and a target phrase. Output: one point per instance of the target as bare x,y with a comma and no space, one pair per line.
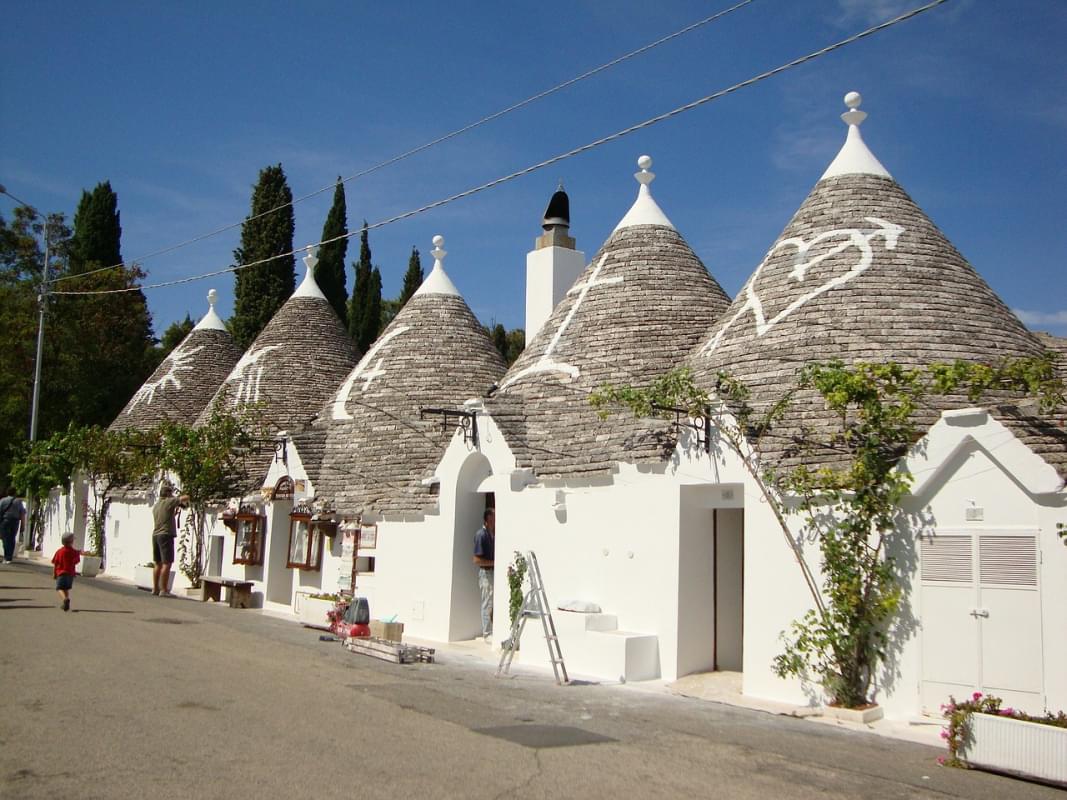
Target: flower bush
958,713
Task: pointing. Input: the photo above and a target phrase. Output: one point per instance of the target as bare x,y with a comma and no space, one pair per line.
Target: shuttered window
947,559
1008,560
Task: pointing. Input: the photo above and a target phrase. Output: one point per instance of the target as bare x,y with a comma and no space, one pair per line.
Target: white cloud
1032,318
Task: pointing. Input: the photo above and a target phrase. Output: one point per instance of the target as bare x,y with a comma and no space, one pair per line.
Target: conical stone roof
293,366
184,382
644,300
860,273
378,452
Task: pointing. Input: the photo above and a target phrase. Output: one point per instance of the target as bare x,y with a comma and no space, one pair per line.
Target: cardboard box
390,631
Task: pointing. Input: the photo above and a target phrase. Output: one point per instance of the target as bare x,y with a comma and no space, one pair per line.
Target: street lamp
42,298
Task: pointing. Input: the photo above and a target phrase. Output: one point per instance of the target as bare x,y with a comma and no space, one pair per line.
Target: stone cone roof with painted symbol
642,302
187,378
860,273
378,453
292,367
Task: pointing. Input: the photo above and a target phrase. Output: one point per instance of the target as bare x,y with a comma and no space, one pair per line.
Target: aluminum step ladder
534,605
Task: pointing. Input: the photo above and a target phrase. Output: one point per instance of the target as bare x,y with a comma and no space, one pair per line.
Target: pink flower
1007,712
976,696
941,760
944,734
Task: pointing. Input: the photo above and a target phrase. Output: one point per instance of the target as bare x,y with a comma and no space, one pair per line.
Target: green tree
510,344
330,271
103,347
357,306
412,278
372,319
267,243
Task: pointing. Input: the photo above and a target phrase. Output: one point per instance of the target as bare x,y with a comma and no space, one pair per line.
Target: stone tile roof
860,274
1057,345
642,302
183,384
378,451
291,369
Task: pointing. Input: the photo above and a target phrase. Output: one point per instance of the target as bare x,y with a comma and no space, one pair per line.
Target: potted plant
142,576
89,566
983,734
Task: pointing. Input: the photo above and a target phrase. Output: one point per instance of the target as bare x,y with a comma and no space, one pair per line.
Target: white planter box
1028,749
89,566
313,611
142,576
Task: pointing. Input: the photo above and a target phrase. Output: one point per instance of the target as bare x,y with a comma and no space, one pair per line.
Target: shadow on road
14,608
29,588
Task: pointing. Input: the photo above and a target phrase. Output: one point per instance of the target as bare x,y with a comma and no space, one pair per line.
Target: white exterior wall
550,273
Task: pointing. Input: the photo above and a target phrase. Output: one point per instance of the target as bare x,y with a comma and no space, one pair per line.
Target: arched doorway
470,503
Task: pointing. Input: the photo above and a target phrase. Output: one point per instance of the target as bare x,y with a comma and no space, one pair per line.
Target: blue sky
180,105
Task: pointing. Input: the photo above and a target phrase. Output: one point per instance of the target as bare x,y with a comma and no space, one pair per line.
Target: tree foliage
266,242
412,277
509,344
365,307
102,342
330,271
851,509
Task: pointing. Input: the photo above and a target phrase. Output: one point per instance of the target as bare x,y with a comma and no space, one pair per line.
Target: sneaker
66,604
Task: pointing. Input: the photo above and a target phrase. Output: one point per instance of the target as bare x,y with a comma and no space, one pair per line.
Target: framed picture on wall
368,537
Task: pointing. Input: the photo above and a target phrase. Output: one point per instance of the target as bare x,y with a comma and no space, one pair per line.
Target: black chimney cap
558,212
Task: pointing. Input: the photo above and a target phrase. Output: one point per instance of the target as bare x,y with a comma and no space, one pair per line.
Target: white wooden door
981,618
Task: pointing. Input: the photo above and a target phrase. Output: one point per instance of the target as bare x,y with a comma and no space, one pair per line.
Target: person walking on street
163,535
12,516
64,566
484,556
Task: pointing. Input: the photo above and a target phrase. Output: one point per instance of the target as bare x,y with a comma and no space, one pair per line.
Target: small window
365,565
305,540
248,543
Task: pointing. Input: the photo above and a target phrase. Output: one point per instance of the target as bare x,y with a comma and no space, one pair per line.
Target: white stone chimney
552,266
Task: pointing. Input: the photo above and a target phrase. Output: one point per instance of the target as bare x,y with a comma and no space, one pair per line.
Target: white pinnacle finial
437,282
312,258
854,158
645,176
854,116
211,320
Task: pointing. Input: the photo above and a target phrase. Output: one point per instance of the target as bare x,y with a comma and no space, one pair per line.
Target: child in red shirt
65,560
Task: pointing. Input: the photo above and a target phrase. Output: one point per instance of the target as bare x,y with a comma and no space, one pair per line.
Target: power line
550,161
458,132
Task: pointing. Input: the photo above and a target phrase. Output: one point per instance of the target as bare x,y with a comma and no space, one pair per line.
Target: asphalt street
131,696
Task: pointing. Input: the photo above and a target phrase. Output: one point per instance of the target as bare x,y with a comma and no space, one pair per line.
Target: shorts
64,582
163,548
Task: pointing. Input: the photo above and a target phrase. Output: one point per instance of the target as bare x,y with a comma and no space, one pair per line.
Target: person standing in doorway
164,533
484,554
12,516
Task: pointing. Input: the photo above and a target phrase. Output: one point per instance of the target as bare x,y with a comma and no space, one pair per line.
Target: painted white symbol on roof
180,361
546,363
249,372
365,372
853,237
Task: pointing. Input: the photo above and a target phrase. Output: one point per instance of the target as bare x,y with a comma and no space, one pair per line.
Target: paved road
131,696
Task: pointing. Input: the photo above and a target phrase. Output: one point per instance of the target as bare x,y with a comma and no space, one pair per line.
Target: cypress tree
261,290
357,307
330,271
412,278
372,320
104,347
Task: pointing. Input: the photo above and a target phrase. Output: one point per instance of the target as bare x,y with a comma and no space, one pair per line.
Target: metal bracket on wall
467,421
701,424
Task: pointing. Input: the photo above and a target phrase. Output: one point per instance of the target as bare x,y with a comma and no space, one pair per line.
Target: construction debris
395,652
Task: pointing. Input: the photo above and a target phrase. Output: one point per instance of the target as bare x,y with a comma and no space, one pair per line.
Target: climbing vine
516,575
842,639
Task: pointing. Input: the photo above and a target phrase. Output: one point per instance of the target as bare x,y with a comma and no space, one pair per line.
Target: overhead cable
458,132
555,159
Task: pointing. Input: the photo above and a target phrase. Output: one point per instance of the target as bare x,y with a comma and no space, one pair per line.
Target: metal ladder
534,604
